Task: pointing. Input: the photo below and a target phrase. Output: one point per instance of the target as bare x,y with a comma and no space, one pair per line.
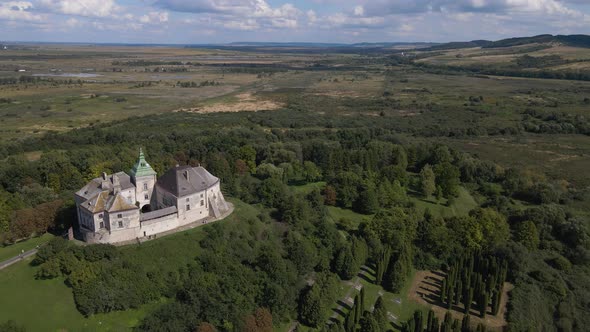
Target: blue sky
342,21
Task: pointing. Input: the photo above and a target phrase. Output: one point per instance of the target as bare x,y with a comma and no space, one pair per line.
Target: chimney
104,181
116,184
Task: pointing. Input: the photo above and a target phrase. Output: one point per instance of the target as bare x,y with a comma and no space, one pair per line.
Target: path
18,258
355,283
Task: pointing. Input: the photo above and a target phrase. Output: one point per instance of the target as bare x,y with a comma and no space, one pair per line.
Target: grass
15,249
48,305
462,205
338,214
403,310
308,187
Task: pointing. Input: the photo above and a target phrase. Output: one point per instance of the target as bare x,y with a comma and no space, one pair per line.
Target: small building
121,207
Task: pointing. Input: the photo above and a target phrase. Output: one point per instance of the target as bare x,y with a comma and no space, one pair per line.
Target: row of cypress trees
432,324
474,278
359,319
392,269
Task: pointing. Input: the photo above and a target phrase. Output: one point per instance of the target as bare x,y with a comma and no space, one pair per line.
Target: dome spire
142,168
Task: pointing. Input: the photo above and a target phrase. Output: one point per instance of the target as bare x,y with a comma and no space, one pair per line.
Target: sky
333,21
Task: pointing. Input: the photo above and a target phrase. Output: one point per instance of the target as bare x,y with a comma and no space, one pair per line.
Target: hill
564,40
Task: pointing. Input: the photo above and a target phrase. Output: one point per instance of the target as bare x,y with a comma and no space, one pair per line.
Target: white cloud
154,17
96,8
18,11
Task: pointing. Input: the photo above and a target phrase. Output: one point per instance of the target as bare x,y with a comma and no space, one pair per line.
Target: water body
75,75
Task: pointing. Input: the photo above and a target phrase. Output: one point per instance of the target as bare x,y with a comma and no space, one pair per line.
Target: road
18,258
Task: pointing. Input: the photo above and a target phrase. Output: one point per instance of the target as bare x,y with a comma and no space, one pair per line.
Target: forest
370,170
522,221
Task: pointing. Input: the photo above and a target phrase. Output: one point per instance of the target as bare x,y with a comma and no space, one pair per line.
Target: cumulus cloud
380,7
97,8
18,11
153,17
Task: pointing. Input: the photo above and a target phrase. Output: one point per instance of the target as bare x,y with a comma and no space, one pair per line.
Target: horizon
249,42
205,22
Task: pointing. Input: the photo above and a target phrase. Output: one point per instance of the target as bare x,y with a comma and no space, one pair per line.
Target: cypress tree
380,314
443,291
469,300
484,304
459,292
450,298
496,301
418,321
447,325
362,299
465,324
430,321
481,328
357,310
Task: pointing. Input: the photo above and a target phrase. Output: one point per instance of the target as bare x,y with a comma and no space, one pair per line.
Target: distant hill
568,40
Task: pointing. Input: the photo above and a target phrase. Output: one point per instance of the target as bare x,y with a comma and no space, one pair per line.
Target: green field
51,302
48,305
462,205
15,249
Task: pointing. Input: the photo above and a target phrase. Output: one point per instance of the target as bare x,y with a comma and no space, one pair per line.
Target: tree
438,193
344,264
427,181
310,307
447,176
369,324
527,234
260,321
329,196
362,301
366,202
465,324
380,314
206,327
312,172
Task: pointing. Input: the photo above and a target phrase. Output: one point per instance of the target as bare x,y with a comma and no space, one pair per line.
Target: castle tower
143,177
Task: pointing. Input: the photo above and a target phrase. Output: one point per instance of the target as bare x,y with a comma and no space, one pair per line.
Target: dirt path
425,290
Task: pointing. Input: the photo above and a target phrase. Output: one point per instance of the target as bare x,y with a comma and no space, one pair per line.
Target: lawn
397,304
462,205
15,249
48,305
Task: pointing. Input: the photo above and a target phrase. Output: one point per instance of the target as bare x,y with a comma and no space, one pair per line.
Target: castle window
202,202
201,195
188,199
145,186
101,225
100,216
119,216
120,224
188,207
146,196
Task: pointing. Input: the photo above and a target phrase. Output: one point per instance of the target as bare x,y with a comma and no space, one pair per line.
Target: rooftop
186,180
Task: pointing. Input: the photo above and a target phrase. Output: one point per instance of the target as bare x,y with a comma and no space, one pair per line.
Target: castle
120,207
